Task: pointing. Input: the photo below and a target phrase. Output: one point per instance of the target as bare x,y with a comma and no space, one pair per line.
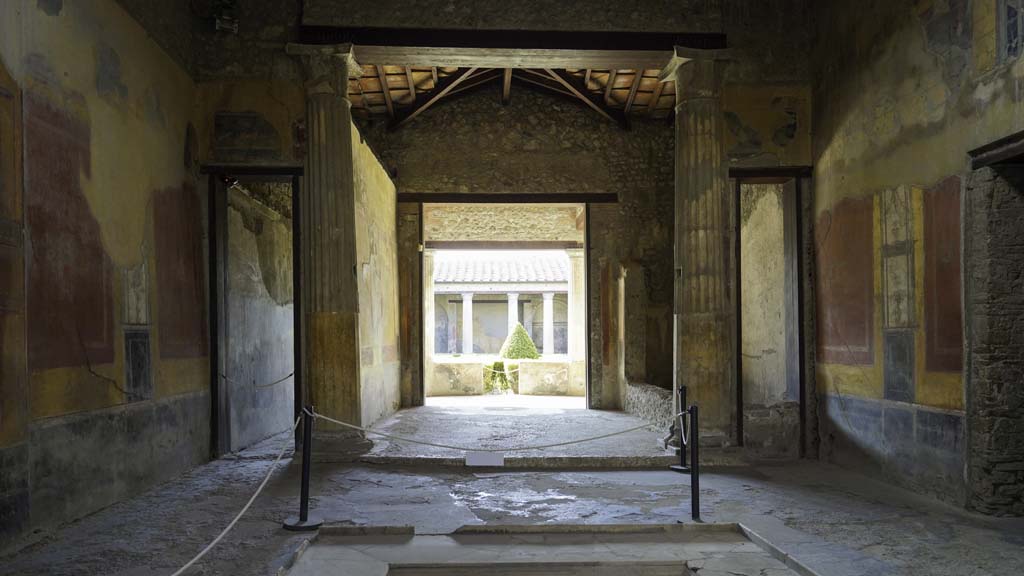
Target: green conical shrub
519,345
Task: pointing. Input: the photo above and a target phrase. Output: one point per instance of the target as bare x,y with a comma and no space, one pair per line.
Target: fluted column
704,306
328,241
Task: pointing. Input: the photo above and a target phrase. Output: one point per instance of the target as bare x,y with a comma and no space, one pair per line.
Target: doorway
504,304
254,304
771,389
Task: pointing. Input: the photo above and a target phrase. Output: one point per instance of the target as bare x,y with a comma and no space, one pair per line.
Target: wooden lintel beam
652,104
506,87
426,100
387,91
632,91
575,85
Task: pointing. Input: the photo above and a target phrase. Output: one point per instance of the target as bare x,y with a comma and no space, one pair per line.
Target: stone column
549,323
704,305
467,323
513,311
327,221
577,305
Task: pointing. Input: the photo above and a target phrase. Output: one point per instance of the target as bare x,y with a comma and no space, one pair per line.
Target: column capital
549,295
695,73
327,67
467,295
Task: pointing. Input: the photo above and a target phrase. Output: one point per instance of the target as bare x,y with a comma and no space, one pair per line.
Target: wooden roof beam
506,87
652,104
426,100
542,83
383,76
575,85
632,91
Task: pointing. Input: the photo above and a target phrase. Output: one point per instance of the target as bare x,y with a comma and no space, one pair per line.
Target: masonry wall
104,382
376,250
994,300
259,320
899,99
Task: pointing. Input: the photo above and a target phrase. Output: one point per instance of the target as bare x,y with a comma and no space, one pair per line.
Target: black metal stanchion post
303,522
694,464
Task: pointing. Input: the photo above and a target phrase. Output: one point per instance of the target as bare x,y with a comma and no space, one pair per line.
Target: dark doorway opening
773,400
255,303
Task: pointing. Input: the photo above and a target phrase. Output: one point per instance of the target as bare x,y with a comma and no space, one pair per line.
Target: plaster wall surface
260,333
771,407
376,253
898,102
115,375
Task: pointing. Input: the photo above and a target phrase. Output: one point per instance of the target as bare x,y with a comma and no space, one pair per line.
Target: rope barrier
244,508
464,449
255,385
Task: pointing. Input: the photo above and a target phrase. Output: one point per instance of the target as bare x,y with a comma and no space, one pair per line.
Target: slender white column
549,323
513,311
467,323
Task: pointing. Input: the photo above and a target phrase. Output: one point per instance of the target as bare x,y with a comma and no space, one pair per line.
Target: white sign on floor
485,458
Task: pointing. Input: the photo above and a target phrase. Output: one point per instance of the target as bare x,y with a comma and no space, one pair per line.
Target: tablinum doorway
523,199
225,389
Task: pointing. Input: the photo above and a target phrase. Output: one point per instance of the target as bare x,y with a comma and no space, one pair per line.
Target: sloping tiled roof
501,267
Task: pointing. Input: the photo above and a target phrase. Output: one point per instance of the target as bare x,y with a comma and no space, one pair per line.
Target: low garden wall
466,376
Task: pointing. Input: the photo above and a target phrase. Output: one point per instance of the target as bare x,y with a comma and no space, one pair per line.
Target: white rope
244,509
464,449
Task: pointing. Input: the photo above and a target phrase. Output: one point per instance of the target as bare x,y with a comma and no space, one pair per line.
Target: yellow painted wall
137,147
899,101
377,258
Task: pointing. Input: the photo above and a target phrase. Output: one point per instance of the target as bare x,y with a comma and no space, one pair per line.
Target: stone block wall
994,242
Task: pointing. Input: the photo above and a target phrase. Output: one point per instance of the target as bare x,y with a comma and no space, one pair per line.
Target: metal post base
308,525
681,469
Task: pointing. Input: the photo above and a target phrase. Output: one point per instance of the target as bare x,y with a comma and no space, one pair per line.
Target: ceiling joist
425,101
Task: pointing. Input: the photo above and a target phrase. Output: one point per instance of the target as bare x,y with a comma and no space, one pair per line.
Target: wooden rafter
610,86
545,83
575,85
652,104
476,80
632,91
426,100
506,86
411,81
382,75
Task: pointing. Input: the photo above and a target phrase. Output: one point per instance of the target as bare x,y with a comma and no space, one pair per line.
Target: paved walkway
841,523
518,421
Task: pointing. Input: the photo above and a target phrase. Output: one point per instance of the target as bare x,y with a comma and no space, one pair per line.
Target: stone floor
670,550
500,421
834,520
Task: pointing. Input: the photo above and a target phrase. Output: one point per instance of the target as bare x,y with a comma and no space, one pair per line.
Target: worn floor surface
707,549
832,519
519,421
